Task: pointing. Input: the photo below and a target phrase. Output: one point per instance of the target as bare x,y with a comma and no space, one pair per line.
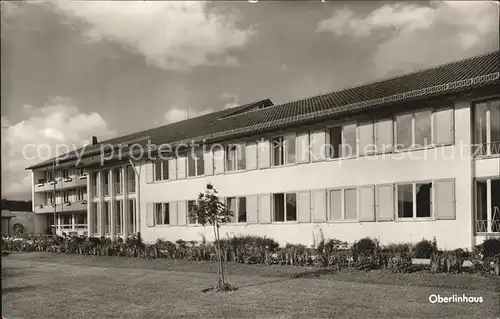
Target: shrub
424,249
490,247
364,253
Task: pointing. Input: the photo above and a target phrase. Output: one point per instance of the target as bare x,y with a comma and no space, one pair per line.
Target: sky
71,70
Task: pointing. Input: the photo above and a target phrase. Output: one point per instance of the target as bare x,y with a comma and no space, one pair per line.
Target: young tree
210,210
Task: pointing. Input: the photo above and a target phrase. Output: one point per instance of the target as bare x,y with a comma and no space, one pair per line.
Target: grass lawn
45,285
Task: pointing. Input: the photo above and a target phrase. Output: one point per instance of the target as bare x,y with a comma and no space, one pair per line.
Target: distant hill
17,205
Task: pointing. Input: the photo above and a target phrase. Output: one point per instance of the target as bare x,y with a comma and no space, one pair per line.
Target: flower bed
365,254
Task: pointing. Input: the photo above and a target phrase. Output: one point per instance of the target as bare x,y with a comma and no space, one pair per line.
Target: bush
424,249
364,253
490,247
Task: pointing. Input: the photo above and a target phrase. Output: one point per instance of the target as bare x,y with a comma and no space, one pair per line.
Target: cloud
177,114
410,36
231,99
170,34
49,130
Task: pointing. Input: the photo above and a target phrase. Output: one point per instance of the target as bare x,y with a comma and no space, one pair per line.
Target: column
125,212
100,209
73,221
112,204
137,202
89,205
489,223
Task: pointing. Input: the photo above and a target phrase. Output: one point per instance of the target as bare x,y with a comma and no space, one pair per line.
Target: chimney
94,140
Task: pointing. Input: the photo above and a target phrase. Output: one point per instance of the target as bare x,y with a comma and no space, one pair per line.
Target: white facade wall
445,162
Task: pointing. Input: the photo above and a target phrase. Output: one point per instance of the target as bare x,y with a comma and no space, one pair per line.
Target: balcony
488,227
78,230
61,183
66,207
487,149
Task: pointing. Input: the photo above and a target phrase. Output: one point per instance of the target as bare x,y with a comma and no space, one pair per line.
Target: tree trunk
221,265
219,277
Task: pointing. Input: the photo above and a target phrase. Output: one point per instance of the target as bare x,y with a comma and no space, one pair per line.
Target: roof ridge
388,78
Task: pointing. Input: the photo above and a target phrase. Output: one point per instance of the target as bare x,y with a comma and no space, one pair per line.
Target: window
94,184
284,207
50,220
283,150
50,198
351,204
192,218
118,180
404,130
414,200
443,126
423,132
487,127
238,205
366,139
107,218
488,206
131,179
105,177
93,226
335,142
131,216
66,220
80,194
383,136
162,214
349,141
196,163
65,196
50,176
161,169
118,216
65,173
235,157
81,220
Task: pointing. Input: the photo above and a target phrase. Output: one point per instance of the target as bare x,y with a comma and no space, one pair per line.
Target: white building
406,158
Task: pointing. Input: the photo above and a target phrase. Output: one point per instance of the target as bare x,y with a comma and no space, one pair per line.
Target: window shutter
444,199
366,204
181,213
318,150
251,156
265,208
336,204
181,167
209,162
150,214
172,206
304,207
252,209
149,172
319,205
443,127
384,136
302,148
218,158
172,169
366,139
264,153
385,202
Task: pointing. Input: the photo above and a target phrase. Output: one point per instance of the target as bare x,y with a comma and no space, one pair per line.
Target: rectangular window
79,194
65,173
443,127
131,216
349,141
105,177
50,176
283,150
351,204
95,214
66,220
487,127
196,162
65,196
118,216
335,142
383,136
50,220
161,169
162,214
237,205
192,217
231,158
94,184
404,130
366,139
423,131
284,207
488,206
118,181
414,200
131,179
107,218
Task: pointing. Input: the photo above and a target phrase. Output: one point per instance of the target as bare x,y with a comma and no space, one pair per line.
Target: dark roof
448,78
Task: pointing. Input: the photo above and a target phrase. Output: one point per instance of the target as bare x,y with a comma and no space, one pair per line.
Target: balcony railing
59,183
482,226
487,149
